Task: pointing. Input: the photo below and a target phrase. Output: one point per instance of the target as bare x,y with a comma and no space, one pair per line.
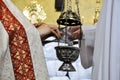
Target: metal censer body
67,53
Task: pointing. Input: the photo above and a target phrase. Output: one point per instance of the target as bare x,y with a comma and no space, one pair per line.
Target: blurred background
89,9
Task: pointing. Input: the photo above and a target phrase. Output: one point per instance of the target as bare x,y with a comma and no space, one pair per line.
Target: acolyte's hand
75,32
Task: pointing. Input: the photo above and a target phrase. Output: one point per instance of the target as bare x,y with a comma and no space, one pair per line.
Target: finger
76,34
74,28
55,30
58,32
55,33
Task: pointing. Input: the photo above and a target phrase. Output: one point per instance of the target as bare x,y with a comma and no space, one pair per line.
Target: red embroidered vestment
18,44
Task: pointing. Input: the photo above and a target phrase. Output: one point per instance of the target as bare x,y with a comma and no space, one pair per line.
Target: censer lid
69,18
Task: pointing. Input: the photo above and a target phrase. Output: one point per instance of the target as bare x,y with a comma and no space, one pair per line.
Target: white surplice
106,59
36,49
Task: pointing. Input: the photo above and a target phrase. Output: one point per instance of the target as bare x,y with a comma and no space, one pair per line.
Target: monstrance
34,12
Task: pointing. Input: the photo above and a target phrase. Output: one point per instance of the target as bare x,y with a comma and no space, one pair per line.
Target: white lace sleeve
87,46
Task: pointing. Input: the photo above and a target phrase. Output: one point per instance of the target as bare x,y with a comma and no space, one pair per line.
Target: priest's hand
47,30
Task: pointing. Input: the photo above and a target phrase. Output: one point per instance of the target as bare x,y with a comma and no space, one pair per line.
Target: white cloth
106,57
36,49
107,45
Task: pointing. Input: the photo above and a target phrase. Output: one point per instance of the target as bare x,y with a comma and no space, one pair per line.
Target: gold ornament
34,12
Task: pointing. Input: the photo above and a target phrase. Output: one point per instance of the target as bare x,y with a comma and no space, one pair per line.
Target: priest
21,52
